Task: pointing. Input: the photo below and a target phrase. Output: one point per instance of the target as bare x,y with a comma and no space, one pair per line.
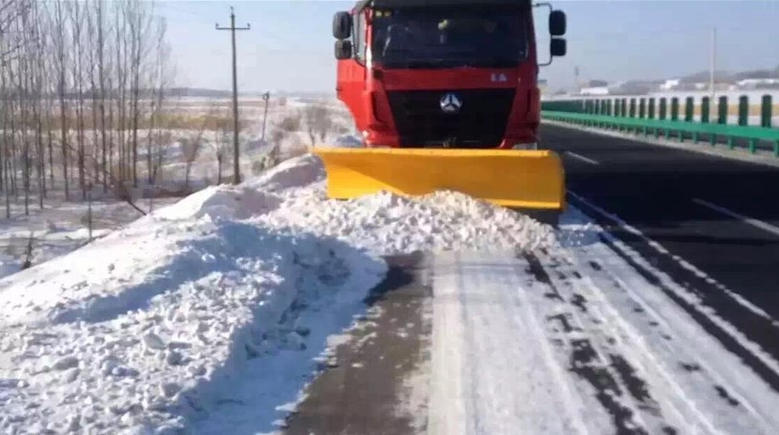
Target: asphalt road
719,215
363,391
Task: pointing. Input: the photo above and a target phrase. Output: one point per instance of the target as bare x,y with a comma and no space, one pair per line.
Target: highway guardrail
689,109
753,135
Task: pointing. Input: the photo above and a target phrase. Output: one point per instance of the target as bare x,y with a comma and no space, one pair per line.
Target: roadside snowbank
225,297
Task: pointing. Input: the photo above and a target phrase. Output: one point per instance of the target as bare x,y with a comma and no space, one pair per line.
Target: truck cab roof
431,3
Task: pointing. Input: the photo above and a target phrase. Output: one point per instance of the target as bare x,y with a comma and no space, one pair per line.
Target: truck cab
443,73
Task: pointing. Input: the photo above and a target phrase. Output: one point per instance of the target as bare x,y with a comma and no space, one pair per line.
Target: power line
232,29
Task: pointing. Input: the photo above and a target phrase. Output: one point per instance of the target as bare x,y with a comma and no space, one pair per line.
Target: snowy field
62,226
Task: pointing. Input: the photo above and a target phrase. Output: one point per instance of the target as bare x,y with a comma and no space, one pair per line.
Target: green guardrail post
766,111
651,114
617,107
642,108
689,109
664,115
632,107
743,110
675,109
722,110
623,111
722,119
663,108
704,117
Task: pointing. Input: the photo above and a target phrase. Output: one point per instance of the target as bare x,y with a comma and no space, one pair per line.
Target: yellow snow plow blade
531,179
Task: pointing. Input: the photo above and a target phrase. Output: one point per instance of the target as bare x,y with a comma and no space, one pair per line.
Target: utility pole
713,62
232,29
576,84
265,97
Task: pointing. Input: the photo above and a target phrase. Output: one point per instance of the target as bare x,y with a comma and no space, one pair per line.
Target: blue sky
290,46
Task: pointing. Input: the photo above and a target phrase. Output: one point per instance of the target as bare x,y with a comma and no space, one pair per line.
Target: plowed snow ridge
153,326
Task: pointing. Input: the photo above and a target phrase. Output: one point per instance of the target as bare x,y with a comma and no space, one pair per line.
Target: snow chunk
225,202
387,224
292,173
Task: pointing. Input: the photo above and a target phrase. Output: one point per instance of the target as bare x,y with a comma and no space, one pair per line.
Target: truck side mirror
342,25
558,47
343,49
557,23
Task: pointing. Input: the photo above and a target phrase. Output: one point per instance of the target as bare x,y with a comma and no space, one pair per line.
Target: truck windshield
447,37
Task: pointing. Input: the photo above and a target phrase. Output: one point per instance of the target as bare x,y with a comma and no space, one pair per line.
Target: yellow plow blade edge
531,179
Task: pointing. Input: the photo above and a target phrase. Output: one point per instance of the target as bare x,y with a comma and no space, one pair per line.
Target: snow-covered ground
153,325
59,228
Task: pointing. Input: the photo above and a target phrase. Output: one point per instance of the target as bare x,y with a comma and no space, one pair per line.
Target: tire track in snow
715,307
661,402
590,361
694,373
715,326
498,366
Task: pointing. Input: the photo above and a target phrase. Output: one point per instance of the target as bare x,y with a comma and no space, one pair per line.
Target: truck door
351,78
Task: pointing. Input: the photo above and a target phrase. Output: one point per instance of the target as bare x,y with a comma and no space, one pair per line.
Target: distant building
598,90
756,83
670,84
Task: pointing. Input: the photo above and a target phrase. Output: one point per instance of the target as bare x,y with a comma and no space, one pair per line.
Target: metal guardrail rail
667,128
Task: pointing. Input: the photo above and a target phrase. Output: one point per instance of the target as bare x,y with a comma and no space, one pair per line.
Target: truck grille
480,122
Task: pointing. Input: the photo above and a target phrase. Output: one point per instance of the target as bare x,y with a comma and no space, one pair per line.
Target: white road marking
582,158
746,219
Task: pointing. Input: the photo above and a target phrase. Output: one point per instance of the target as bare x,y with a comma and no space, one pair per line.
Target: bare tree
70,67
221,145
318,122
191,146
60,43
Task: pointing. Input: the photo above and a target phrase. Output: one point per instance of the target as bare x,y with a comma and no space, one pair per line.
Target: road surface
660,320
711,223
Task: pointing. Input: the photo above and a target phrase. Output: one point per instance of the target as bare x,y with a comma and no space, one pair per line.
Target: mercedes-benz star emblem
451,103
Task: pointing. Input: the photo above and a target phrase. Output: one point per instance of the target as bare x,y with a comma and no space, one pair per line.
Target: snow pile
386,223
296,173
145,329
224,297
239,202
